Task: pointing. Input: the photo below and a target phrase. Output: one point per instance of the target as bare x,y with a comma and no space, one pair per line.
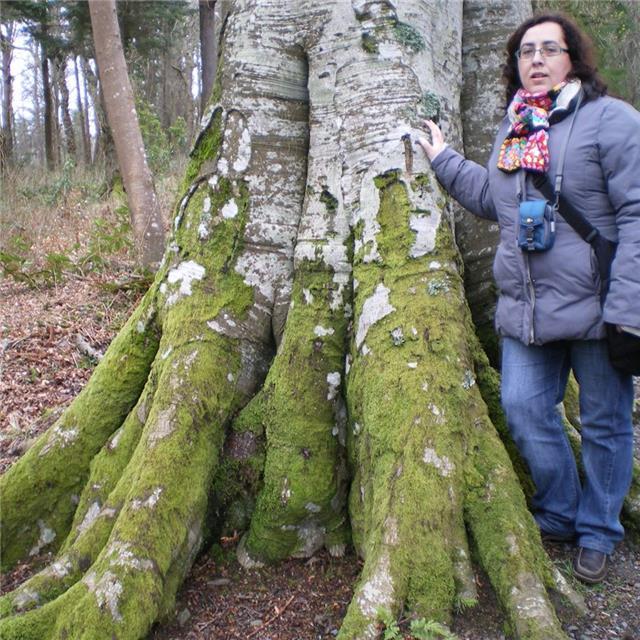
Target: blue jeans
534,379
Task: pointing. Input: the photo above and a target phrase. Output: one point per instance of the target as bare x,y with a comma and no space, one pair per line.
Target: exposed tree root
302,504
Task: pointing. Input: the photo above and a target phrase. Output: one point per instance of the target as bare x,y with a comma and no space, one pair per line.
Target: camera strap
552,192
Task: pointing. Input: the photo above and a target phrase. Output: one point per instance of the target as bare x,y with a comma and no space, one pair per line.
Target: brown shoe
590,566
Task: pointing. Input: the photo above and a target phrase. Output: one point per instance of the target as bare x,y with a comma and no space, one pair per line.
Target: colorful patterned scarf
526,144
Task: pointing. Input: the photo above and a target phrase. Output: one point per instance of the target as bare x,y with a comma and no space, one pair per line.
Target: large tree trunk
307,342
146,218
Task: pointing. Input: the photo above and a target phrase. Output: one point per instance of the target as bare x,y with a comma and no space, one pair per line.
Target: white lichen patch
412,365
244,559
374,309
397,336
569,593
442,464
47,536
230,210
391,531
25,598
312,507
140,327
119,554
107,591
244,152
377,591
333,380
469,379
436,287
529,600
149,502
165,425
425,232
204,228
356,428
166,353
184,274
434,265
347,364
230,377
285,494
310,539
512,543
89,517
321,331
59,437
60,568
308,296
113,443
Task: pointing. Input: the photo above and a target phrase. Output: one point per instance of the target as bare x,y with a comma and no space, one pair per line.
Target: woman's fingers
436,145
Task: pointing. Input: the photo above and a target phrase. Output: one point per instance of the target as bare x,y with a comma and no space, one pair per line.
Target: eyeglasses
547,50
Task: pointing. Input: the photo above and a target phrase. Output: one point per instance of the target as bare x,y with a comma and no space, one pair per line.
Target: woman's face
542,73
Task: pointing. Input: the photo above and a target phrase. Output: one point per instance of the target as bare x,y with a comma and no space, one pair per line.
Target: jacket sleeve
619,147
466,181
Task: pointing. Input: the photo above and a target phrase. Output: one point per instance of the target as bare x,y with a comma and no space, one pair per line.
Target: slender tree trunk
56,121
92,94
6,132
83,114
120,105
37,134
49,114
67,123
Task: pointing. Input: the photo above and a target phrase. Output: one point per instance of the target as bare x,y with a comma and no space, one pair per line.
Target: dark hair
580,51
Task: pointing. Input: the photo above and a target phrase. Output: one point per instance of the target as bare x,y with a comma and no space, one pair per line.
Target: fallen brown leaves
41,367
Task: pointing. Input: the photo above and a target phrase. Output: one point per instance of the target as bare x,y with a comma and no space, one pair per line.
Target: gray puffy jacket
554,295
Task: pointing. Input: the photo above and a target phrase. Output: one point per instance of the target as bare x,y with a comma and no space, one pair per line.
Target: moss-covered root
40,492
303,501
97,510
507,540
165,490
408,388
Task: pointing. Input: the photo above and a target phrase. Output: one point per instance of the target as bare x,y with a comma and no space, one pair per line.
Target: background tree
304,366
118,98
7,34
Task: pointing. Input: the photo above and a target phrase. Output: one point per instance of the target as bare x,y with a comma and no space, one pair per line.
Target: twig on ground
272,618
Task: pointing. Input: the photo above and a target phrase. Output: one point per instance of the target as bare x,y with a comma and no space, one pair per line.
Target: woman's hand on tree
437,144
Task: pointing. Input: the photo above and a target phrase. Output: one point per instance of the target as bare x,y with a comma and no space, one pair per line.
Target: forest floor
44,362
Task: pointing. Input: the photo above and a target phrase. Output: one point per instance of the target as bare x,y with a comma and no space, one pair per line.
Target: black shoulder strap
553,192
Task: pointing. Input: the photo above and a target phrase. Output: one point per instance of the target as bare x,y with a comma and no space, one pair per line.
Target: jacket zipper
532,294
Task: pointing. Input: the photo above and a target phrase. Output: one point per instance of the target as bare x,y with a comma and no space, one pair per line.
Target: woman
549,311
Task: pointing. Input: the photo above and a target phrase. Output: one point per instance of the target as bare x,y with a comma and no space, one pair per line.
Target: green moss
369,43
329,200
408,36
302,478
429,106
205,150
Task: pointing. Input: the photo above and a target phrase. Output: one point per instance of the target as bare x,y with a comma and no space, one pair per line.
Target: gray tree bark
146,218
83,114
6,132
